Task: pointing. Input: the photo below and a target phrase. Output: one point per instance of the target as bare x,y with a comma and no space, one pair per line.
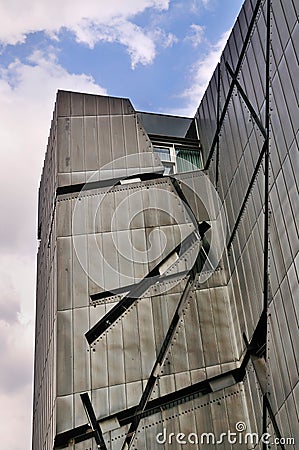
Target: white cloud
198,5
200,74
196,35
27,99
16,352
162,38
140,46
15,425
96,21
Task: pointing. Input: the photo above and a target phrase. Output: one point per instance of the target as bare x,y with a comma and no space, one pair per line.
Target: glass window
167,157
163,152
187,160
177,159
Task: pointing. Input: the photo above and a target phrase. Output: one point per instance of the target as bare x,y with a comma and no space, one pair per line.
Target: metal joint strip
246,100
94,423
249,189
231,88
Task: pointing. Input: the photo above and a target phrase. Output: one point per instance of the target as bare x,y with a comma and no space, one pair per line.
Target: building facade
168,260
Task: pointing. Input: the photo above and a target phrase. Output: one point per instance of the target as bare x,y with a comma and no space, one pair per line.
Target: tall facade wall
228,125
101,239
43,431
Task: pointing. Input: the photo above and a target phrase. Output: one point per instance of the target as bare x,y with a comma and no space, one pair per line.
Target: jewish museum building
167,304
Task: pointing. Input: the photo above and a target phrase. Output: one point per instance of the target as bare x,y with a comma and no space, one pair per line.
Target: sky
159,53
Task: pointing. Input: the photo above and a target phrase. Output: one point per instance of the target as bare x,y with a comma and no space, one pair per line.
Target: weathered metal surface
105,238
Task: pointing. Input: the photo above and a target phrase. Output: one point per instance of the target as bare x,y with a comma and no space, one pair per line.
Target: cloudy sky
159,53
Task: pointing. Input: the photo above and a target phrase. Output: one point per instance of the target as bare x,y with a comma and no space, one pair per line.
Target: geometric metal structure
166,312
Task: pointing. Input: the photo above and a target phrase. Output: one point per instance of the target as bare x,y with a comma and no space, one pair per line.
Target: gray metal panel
207,328
191,185
165,384
223,324
116,438
182,380
220,420
77,144
115,343
64,144
63,103
117,398
80,293
161,320
102,103
80,417
78,177
64,273
117,137
77,99
99,361
139,244
134,392
144,144
178,357
90,143
125,259
127,107
64,413
65,353
88,444
284,351
253,396
121,214
147,339
203,419
187,423
140,439
130,134
106,208
293,417
115,106
93,216
193,336
172,425
90,105
282,418
82,380
104,140
132,355
64,179
95,264
111,267
100,402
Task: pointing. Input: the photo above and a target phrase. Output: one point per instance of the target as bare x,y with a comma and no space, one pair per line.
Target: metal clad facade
240,145
95,231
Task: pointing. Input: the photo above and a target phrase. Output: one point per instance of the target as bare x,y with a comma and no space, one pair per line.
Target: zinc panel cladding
221,408
73,373
44,392
123,347
92,131
87,141
236,168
